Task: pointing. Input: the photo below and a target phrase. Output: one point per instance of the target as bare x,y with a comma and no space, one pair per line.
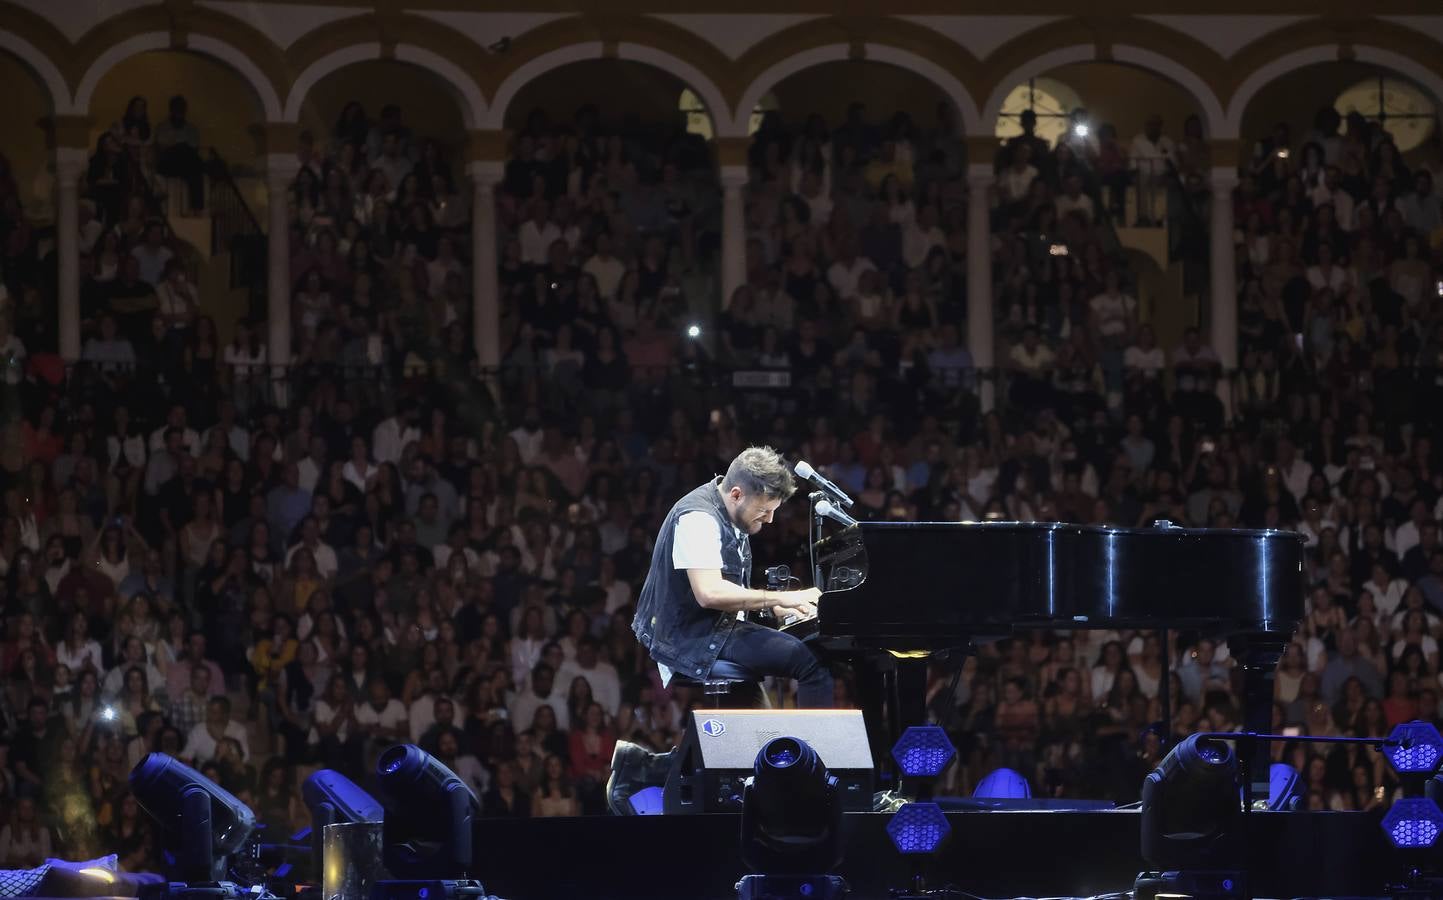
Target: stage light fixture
1413,823
1414,748
1190,814
428,815
923,751
201,823
1003,784
334,799
791,829
918,828
1285,788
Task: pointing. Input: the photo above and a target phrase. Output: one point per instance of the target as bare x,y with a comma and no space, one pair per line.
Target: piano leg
872,684
1259,655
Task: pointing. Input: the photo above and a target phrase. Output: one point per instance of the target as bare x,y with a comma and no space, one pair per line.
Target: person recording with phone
700,580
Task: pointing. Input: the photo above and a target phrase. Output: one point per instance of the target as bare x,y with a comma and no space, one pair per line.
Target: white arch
532,69
1214,119
950,85
140,43
704,87
1265,75
473,104
41,65
771,77
244,66
320,69
1032,68
204,44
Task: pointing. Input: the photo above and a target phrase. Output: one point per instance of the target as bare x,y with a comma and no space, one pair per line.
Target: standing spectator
177,143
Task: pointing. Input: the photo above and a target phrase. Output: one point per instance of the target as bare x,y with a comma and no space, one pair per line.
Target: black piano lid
953,579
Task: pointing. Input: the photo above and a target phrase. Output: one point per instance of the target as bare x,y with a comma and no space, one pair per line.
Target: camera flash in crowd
693,330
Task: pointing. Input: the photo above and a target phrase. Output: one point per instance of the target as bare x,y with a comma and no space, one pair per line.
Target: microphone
825,508
807,473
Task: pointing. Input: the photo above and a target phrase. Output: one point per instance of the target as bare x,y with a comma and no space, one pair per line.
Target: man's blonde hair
760,471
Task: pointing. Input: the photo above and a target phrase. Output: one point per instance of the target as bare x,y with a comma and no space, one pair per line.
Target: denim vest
678,632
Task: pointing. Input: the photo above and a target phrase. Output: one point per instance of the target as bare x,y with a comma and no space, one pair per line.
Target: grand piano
895,594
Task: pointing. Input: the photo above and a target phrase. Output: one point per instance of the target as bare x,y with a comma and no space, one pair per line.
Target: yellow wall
831,87
618,88
1125,96
221,104
427,103
21,140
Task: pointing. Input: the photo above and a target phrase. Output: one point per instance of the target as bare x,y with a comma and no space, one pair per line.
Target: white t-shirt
697,542
388,716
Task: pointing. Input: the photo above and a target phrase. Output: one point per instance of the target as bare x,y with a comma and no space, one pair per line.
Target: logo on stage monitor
713,728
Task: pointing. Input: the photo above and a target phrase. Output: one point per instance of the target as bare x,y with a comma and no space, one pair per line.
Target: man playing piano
687,614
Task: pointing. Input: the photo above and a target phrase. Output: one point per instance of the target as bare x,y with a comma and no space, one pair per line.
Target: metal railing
236,230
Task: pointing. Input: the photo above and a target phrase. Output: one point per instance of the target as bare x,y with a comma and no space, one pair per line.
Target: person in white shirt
1015,182
314,465
1331,193
541,692
538,233
1296,472
604,267
846,273
1151,156
528,436
321,552
382,717
152,254
189,439
1073,200
359,470
200,744
600,674
392,434
920,237
1145,356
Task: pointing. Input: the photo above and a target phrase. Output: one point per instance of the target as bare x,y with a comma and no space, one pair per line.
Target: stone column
981,334
70,166
281,170
1223,300
485,292
734,231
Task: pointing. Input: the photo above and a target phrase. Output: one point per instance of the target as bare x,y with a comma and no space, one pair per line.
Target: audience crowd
268,572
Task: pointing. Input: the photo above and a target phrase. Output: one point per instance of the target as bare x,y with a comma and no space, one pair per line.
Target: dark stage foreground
989,854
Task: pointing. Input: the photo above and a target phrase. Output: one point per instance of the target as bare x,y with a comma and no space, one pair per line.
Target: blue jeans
767,651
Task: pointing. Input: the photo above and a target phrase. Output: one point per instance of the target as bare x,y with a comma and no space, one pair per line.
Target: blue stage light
1285,788
918,828
1413,823
1414,748
923,751
1003,784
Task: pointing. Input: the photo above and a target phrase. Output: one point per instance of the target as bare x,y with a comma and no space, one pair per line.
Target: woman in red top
591,745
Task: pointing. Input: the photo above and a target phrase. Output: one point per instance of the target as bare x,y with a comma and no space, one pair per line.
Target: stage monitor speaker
719,751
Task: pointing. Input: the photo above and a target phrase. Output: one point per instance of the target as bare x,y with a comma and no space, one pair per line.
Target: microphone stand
815,533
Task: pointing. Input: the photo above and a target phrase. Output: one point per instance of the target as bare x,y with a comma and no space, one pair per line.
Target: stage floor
989,854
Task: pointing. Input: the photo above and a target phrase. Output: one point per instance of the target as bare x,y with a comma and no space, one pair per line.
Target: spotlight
428,815
201,823
1003,784
918,828
1414,748
334,799
791,824
1285,788
1190,806
1413,823
923,751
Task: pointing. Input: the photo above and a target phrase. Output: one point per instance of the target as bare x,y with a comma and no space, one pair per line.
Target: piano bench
726,680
